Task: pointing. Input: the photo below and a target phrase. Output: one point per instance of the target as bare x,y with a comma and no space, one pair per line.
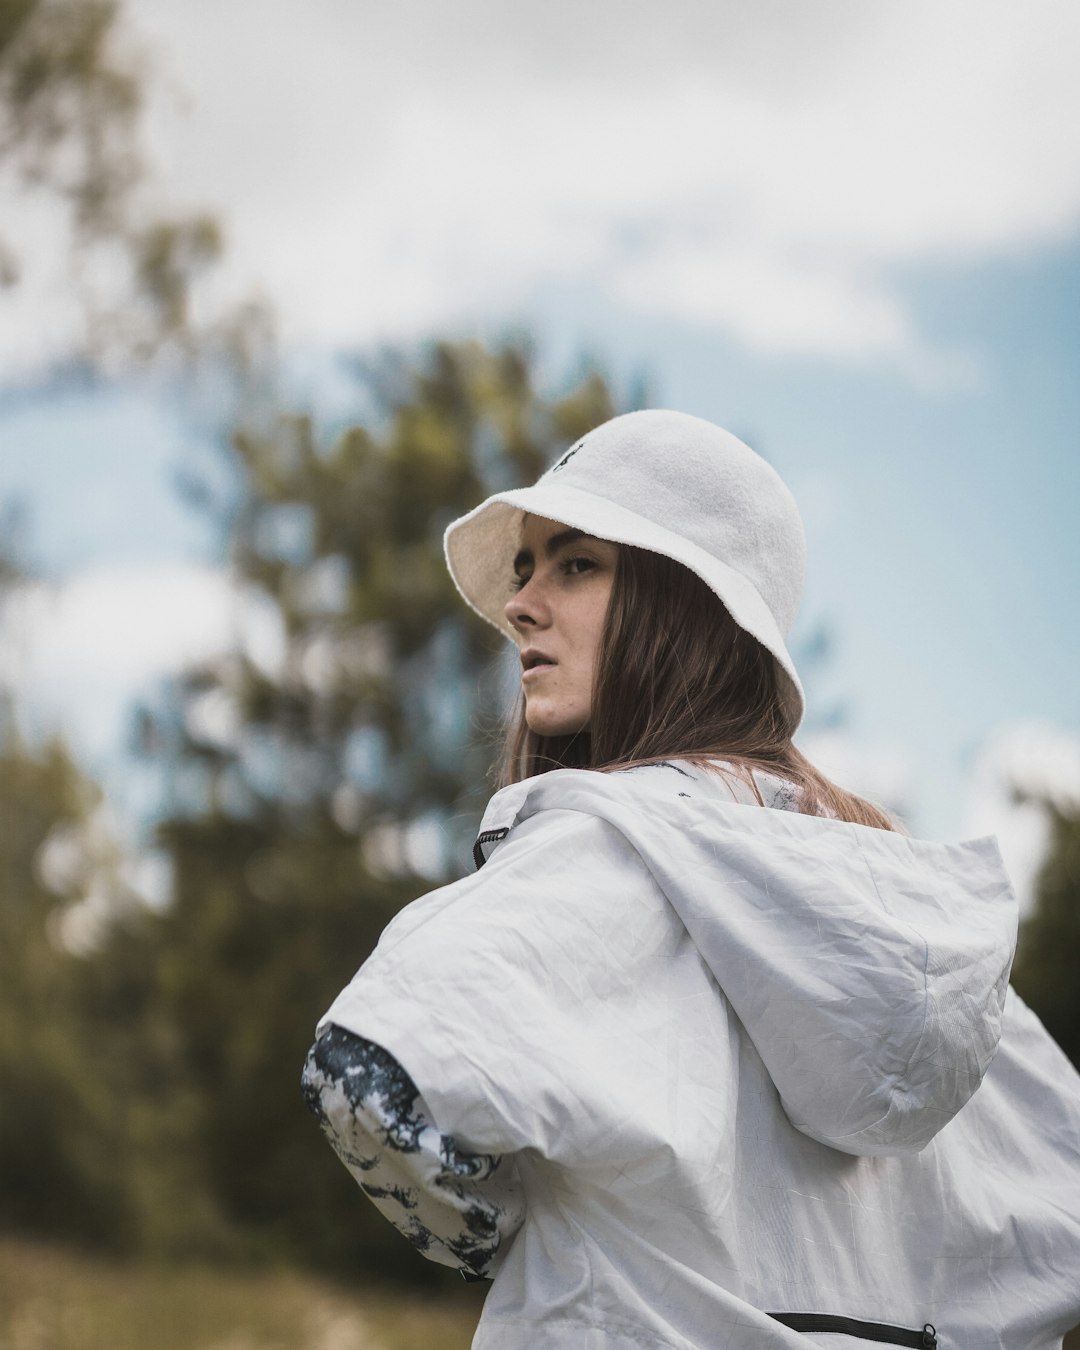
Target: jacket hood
869,969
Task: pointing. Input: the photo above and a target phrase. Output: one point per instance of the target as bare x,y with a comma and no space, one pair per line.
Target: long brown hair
677,678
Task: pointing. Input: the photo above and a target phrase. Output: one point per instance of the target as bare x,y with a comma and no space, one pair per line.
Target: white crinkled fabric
747,1061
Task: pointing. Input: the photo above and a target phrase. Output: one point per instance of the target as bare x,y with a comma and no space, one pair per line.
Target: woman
707,1053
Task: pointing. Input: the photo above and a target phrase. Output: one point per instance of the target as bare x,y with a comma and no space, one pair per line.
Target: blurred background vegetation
316,778
308,798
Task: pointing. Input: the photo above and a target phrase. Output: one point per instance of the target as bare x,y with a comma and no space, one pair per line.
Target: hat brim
481,545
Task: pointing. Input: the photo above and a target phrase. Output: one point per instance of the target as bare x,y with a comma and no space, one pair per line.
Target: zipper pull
487,837
929,1336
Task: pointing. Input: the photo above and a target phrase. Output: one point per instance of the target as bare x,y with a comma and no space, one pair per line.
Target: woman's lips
534,662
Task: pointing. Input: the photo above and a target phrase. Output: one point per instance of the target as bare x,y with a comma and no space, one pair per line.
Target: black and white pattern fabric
454,1206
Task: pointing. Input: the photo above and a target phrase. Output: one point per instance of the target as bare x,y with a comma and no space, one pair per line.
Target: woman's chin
549,722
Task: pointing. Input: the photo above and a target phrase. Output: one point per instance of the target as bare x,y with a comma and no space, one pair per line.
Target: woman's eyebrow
557,541
560,540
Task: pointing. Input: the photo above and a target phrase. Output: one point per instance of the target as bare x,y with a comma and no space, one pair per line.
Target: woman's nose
526,608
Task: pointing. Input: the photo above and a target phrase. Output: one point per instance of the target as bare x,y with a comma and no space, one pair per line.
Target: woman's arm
455,1207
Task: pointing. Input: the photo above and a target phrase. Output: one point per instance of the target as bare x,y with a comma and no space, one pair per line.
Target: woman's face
562,584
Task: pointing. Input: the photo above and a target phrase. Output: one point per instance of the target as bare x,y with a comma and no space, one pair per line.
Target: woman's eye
517,582
575,566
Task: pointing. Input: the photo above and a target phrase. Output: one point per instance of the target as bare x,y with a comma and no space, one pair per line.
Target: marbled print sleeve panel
454,1206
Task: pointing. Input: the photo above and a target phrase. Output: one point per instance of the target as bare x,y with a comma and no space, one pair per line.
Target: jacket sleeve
454,1206
535,1002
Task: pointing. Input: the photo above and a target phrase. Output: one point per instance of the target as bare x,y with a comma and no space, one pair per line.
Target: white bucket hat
667,482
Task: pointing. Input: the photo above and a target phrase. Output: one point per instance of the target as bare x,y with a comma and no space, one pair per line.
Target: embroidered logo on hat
568,456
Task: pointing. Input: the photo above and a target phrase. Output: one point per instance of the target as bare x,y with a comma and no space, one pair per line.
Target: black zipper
486,837
925,1339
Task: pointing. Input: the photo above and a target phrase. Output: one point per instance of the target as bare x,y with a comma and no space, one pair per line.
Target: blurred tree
1047,968
70,104
97,1116
327,771
54,1180
68,1064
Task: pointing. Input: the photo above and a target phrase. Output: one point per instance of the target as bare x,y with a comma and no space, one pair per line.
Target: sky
847,231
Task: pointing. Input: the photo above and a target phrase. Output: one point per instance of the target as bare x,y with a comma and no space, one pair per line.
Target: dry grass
54,1300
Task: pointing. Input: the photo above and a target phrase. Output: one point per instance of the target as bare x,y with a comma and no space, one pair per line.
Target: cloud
883,774
770,170
134,621
1018,765
80,653
78,656
1038,761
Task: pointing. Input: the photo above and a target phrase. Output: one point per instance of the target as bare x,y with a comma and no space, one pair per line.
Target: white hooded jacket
746,1062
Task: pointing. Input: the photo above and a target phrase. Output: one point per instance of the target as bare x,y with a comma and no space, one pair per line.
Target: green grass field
57,1300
